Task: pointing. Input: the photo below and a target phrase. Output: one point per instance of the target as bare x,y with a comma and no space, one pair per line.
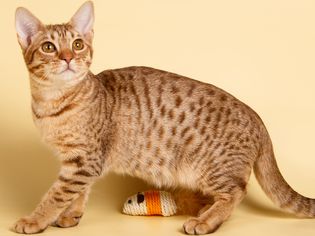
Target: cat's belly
161,177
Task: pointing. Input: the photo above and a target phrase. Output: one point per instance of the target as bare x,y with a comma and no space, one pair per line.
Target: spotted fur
172,131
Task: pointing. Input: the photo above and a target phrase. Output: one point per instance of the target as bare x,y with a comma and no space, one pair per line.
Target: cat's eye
48,47
78,44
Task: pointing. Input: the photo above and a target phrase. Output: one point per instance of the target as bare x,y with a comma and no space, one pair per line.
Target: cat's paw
68,219
28,225
195,226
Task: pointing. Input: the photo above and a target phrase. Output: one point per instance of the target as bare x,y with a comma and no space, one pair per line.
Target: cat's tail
275,186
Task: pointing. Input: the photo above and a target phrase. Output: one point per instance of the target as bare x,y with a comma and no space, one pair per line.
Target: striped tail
275,186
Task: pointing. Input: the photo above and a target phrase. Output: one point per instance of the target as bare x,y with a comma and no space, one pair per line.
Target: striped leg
226,184
72,215
213,216
69,190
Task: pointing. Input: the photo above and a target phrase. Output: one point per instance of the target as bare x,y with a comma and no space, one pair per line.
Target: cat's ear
83,19
27,25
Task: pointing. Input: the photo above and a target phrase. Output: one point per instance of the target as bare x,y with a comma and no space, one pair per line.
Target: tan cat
172,131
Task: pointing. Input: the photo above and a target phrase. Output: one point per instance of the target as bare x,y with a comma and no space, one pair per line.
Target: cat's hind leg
212,216
226,187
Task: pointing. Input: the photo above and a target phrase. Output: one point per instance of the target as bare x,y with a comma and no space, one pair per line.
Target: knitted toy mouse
150,203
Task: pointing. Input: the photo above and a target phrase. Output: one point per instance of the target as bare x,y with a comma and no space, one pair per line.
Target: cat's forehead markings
61,34
70,34
59,30
51,36
55,35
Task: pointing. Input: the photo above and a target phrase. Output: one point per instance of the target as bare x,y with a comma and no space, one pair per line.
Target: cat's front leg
72,183
72,215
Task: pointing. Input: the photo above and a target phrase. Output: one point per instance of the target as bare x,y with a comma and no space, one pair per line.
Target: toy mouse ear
140,198
83,19
27,25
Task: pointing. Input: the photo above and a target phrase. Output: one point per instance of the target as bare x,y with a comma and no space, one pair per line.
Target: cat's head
56,53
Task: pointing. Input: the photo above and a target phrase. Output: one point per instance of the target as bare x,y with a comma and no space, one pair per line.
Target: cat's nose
66,55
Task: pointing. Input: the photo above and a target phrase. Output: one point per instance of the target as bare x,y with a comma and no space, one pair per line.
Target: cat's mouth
68,69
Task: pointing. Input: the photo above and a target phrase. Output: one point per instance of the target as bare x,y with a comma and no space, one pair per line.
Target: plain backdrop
263,52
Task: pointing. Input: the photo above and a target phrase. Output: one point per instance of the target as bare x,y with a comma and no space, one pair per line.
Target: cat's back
176,99
167,87
166,82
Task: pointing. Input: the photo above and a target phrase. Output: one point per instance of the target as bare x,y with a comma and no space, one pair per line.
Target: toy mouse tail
188,202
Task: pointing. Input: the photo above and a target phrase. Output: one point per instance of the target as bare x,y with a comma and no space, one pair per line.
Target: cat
172,131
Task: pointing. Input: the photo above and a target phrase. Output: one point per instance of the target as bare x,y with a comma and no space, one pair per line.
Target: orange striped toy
150,203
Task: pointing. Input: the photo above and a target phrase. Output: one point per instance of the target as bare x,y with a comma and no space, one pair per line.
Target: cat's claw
28,225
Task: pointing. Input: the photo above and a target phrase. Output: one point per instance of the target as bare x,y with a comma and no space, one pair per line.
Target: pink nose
66,55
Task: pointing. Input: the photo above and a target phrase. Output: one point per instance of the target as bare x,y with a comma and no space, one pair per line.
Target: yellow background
263,52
